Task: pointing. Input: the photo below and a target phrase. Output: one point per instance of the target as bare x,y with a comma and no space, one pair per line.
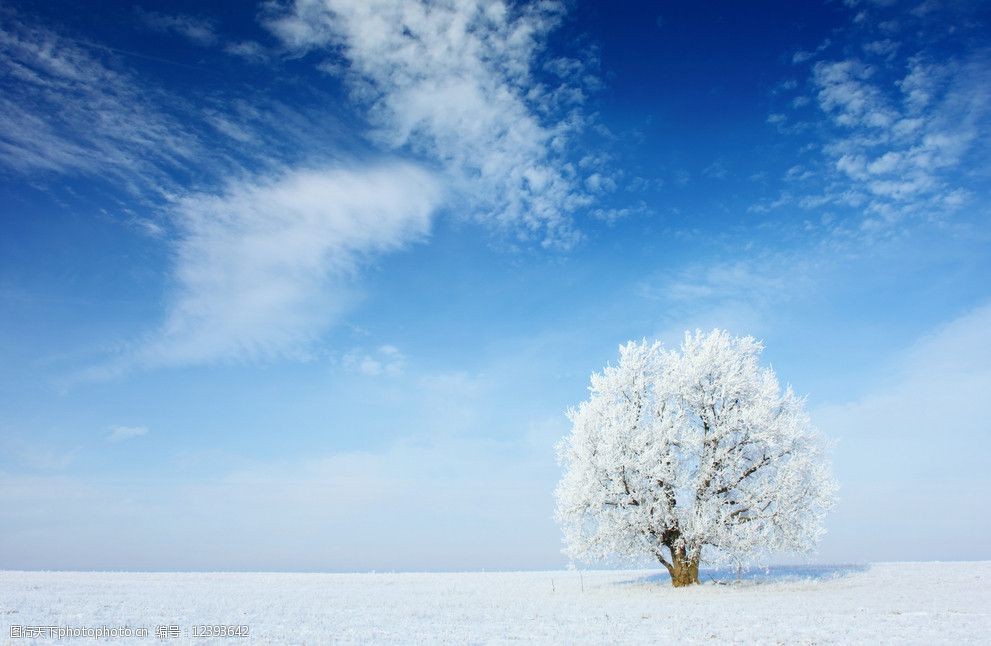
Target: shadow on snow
760,575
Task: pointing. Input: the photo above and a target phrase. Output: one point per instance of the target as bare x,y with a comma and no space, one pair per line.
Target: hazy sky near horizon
310,285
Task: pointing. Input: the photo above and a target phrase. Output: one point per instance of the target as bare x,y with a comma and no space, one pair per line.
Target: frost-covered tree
681,456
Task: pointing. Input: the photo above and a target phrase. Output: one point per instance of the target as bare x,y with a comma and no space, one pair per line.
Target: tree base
684,573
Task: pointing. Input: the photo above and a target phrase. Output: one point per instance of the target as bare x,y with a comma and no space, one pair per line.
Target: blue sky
310,285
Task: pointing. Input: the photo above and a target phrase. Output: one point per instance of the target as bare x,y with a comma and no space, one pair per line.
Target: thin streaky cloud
199,31
123,433
67,112
71,108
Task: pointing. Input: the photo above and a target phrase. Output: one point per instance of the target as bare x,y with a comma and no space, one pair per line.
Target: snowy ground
920,603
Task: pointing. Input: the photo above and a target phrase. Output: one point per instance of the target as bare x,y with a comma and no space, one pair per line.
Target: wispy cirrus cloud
763,280
455,81
65,111
202,32
262,268
249,50
197,30
123,433
73,108
741,294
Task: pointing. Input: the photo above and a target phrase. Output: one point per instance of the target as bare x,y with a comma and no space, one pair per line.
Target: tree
676,453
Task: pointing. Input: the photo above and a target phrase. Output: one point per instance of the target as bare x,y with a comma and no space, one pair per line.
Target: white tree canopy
689,450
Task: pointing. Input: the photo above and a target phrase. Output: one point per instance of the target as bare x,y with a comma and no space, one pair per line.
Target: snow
920,603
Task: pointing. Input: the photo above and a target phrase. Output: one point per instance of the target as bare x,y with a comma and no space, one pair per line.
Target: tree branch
746,474
664,561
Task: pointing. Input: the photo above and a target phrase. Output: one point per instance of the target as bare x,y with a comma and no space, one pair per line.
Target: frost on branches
691,455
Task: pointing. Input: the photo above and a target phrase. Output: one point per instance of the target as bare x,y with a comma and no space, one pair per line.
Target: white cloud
764,280
902,125
844,92
384,360
197,30
203,32
744,296
898,151
453,81
716,170
613,215
803,56
247,49
885,48
597,183
122,433
262,268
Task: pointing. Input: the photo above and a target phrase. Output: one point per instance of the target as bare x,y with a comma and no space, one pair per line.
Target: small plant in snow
681,456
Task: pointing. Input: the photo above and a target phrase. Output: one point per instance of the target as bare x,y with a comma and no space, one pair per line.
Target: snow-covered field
920,603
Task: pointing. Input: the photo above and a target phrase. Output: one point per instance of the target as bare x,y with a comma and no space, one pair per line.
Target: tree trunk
684,570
